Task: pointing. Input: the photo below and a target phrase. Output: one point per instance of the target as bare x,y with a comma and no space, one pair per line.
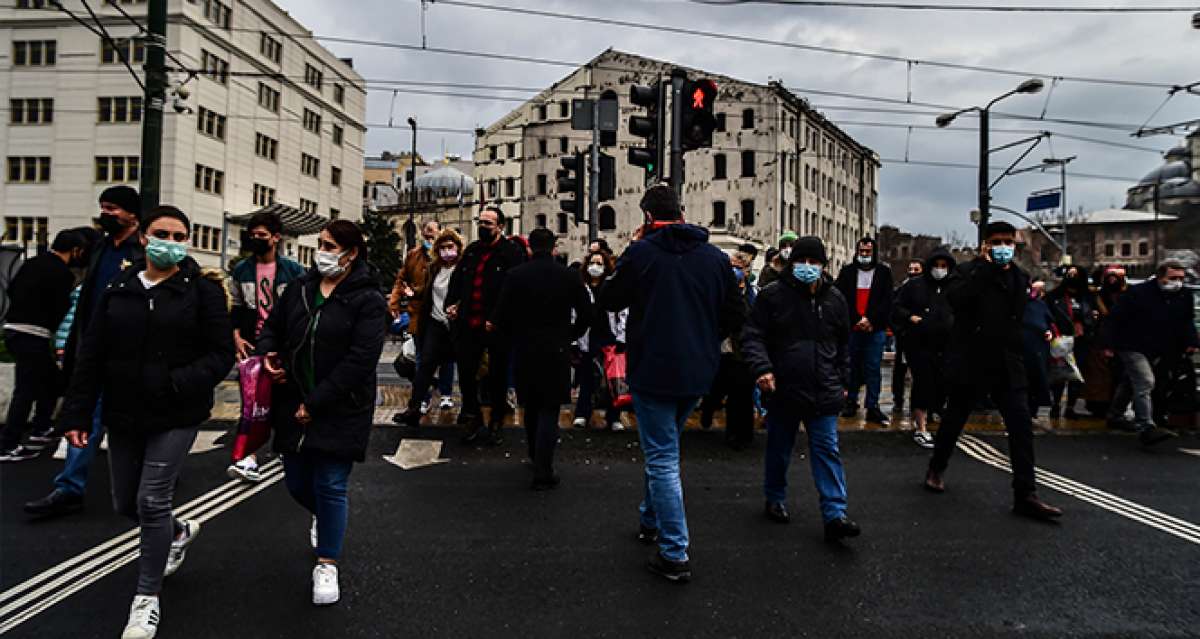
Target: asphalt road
465,549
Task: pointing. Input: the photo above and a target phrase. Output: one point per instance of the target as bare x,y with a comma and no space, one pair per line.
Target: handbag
406,362
614,375
254,427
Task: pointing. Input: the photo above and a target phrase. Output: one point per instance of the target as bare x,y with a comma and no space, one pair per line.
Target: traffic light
607,189
570,182
696,113
649,126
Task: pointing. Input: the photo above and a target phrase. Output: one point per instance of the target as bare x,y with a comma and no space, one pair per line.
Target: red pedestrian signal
699,122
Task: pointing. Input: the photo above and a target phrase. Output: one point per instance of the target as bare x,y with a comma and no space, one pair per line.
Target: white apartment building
775,164
272,118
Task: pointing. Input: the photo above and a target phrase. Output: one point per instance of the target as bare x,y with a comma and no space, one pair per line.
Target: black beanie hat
808,246
125,197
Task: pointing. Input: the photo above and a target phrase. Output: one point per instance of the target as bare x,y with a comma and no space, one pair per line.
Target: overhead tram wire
852,4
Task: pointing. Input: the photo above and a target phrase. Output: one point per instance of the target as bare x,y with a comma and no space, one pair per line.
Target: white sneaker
617,426
325,585
579,422
447,403
425,407
143,618
191,530
923,439
245,470
312,534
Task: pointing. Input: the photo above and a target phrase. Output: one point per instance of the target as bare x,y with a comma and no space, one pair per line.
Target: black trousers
541,433
470,349
928,392
733,386
437,350
900,366
1013,407
35,387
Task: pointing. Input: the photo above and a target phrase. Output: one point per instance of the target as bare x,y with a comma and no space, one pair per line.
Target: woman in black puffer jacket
322,343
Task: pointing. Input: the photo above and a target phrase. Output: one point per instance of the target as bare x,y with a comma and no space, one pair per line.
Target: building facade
775,164
270,118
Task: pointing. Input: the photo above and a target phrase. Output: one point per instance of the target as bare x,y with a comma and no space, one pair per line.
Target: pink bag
614,374
254,429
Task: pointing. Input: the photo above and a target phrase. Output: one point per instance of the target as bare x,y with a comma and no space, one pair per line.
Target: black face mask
111,224
486,234
257,246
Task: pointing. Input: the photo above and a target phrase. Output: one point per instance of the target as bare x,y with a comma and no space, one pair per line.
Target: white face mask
1170,287
595,270
939,273
329,264
865,260
785,253
448,254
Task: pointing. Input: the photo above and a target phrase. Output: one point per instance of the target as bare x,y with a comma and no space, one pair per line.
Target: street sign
581,114
1043,201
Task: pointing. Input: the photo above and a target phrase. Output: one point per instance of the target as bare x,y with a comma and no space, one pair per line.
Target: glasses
163,234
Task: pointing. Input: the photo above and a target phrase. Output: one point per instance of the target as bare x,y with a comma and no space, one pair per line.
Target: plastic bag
1063,370
406,362
614,375
1062,346
254,428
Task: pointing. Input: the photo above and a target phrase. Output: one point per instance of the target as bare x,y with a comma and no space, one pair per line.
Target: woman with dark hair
322,343
1074,300
158,342
607,329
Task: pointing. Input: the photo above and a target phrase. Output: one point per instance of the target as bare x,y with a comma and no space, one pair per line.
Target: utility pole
985,190
678,77
594,174
154,101
1062,163
410,235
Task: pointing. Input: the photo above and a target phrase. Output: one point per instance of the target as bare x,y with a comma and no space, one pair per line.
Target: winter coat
1148,321
683,300
243,287
155,355
535,313
925,297
801,338
1078,309
986,345
507,254
423,304
415,275
879,303
91,290
40,294
350,329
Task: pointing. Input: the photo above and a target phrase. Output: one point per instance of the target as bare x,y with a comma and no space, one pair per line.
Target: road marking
1190,451
59,582
1180,528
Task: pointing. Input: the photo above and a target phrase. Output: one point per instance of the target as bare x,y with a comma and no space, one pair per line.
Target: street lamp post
1033,85
410,235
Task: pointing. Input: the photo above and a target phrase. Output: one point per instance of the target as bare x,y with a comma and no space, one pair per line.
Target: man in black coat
470,302
534,313
986,358
867,286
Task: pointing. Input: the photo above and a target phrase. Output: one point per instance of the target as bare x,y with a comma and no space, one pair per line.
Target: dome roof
1168,171
446,180
1178,153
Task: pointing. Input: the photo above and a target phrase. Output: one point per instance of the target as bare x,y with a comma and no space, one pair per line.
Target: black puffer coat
801,338
350,330
156,355
925,297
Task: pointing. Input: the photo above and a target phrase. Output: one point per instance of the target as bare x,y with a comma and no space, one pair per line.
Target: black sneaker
648,536
675,571
19,453
1155,435
1122,424
841,528
58,502
876,416
777,512
494,436
42,437
849,410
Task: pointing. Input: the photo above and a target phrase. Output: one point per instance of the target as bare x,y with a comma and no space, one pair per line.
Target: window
31,4
120,109
510,187
511,150
309,165
607,218
562,223
312,122
118,168
263,195
271,48
747,212
492,153
1143,248
337,134
308,206
34,53
564,145
493,188
313,76
27,229
268,98
719,166
305,254
211,123
31,111
721,122
541,184
28,169
217,12
748,119
541,112
334,213
214,67
339,94
1109,250
539,221
541,148
209,180
266,147
1126,249
747,163
335,176
564,109
718,214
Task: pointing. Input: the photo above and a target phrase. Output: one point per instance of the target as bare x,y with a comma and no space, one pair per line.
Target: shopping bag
614,375
1063,370
254,427
406,362
1061,346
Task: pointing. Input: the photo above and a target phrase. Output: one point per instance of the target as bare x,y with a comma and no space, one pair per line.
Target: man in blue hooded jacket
683,300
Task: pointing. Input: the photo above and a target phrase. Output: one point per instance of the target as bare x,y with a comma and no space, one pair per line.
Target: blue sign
1043,201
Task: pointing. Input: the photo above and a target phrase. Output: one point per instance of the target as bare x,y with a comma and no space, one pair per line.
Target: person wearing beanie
867,286
120,248
777,261
683,300
796,345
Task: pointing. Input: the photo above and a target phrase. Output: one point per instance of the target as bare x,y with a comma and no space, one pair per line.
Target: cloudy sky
1152,48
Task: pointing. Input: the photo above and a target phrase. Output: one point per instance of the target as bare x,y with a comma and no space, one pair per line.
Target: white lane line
76,573
1190,451
1180,528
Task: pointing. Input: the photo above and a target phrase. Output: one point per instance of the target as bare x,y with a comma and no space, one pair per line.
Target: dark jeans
436,354
541,433
318,482
866,360
470,349
588,378
733,386
1013,407
35,388
144,469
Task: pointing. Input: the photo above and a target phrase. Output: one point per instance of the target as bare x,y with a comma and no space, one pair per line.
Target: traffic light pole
678,77
155,100
594,173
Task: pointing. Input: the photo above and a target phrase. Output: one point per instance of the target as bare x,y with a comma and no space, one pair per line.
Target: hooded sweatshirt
925,297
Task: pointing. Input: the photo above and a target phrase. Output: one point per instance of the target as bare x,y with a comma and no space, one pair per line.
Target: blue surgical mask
426,244
1003,254
806,273
165,253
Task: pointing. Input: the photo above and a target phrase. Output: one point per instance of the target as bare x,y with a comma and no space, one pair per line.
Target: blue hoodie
683,300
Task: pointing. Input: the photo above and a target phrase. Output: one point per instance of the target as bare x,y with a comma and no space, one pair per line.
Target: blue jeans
318,482
823,455
866,359
74,476
660,421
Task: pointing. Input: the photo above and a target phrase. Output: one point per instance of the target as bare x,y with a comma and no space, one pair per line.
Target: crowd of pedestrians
670,326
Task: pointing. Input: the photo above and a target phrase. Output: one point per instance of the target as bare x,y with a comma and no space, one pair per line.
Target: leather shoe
546,483
58,502
647,536
849,410
841,528
1031,506
777,512
410,417
876,416
934,482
